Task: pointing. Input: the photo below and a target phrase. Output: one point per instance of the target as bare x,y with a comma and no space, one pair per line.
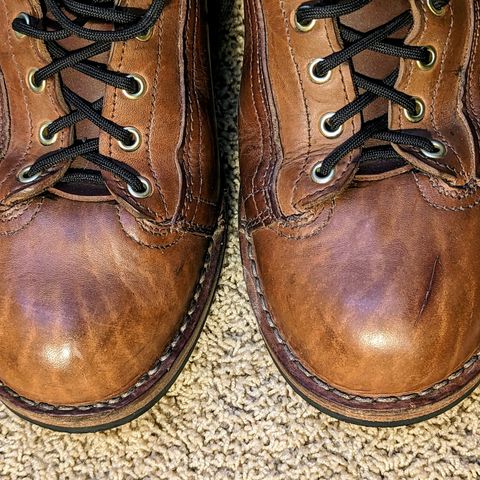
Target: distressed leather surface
95,288
372,283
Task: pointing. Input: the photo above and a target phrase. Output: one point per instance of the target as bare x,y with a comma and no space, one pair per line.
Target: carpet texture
231,415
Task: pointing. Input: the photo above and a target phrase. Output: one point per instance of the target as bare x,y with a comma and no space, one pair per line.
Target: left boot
111,219
360,213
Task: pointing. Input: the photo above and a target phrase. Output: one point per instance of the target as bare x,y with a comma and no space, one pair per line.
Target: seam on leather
435,95
10,233
120,184
155,86
408,80
254,104
262,94
28,147
305,104
193,100
323,385
455,194
4,117
297,225
471,70
149,245
443,207
110,403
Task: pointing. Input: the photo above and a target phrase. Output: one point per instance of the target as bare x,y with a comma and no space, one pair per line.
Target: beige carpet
230,415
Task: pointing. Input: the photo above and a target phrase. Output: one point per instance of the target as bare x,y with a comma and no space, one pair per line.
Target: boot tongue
85,86
378,66
374,64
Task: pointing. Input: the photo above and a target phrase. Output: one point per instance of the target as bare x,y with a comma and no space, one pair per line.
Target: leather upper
90,298
370,280
96,285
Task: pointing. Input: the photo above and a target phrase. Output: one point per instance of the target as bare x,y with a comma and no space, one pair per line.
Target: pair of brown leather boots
360,220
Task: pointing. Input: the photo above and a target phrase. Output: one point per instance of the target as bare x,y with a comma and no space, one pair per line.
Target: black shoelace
354,43
129,23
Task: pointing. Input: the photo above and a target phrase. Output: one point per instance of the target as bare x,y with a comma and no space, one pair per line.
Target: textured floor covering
231,415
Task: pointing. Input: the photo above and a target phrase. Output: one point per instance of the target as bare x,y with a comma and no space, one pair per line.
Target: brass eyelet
146,36
31,82
43,136
320,179
326,129
140,88
439,12
146,193
419,112
23,177
314,77
23,16
431,63
298,26
441,151
137,140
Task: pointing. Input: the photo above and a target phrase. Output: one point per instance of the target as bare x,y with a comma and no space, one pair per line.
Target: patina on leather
366,288
99,287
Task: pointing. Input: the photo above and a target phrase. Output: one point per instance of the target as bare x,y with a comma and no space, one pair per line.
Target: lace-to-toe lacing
66,18
355,42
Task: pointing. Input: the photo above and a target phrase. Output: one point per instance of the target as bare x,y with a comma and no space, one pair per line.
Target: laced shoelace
356,42
129,23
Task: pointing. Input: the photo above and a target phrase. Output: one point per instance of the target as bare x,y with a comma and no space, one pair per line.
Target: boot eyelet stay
322,179
23,176
301,27
148,190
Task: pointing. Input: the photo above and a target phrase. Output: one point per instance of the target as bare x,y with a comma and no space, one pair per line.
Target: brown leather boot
360,215
111,232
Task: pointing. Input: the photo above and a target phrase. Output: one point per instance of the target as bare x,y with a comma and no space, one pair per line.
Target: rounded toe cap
86,310
372,303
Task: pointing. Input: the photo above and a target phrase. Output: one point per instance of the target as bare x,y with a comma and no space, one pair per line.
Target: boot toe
86,310
378,306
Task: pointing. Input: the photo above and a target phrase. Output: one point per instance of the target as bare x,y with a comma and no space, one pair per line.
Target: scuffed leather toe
375,302
87,305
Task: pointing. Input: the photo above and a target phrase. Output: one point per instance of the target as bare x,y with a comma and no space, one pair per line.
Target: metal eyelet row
140,90
24,177
23,16
46,139
418,114
319,79
148,190
32,85
420,108
136,140
432,59
146,37
300,27
324,125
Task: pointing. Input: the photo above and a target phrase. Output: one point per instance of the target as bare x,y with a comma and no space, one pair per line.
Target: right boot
360,213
